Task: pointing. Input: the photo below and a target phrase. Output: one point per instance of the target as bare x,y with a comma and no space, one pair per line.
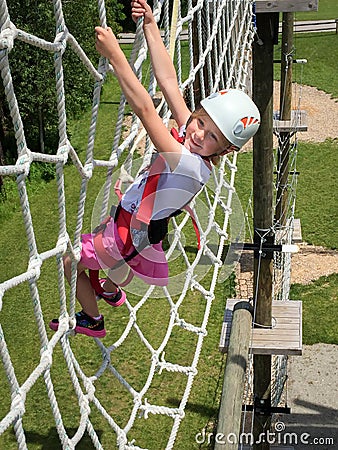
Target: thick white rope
229,39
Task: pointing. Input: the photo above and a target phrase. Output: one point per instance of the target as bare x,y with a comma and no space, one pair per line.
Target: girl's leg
84,291
109,286
115,277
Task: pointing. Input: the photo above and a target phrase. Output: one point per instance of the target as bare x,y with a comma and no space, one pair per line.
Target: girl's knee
67,265
66,261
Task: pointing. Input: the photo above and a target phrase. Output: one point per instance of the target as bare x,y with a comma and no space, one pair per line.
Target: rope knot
137,400
155,357
7,37
63,151
25,160
18,402
88,170
84,405
121,438
47,358
90,388
61,39
76,256
35,266
65,323
63,242
133,316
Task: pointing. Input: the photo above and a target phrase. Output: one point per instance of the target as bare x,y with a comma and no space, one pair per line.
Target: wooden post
285,114
229,420
200,89
263,213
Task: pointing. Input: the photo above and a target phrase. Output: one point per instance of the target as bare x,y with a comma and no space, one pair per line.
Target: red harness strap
117,189
176,135
146,207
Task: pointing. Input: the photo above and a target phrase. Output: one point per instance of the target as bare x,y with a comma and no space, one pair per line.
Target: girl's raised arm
137,96
162,64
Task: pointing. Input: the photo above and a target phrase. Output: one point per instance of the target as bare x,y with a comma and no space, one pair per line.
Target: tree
32,70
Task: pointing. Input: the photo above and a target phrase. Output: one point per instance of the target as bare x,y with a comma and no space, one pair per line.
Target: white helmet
234,113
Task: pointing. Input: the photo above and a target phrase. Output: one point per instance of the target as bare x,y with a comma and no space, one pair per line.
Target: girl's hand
106,42
139,9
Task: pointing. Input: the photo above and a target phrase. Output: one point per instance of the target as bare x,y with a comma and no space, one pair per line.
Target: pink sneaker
113,299
84,325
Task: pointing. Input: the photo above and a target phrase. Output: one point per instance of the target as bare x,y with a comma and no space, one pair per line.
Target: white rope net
224,36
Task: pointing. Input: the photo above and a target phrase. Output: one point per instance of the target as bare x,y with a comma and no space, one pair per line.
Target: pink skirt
150,264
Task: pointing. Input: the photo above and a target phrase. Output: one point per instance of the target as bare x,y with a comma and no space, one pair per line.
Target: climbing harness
144,231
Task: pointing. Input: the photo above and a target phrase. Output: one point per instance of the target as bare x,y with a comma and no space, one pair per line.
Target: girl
224,123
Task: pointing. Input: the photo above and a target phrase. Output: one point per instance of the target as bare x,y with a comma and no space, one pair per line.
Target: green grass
320,309
327,9
321,52
316,203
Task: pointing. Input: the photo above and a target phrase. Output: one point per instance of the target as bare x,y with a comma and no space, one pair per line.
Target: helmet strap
229,148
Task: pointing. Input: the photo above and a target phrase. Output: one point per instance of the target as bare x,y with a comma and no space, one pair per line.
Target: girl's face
204,137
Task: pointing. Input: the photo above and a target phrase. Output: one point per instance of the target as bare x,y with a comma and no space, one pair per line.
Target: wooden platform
285,336
298,122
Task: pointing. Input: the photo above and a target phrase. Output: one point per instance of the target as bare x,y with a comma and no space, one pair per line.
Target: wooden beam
262,198
230,413
271,6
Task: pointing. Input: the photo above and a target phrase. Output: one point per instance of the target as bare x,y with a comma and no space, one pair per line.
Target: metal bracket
266,249
263,407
